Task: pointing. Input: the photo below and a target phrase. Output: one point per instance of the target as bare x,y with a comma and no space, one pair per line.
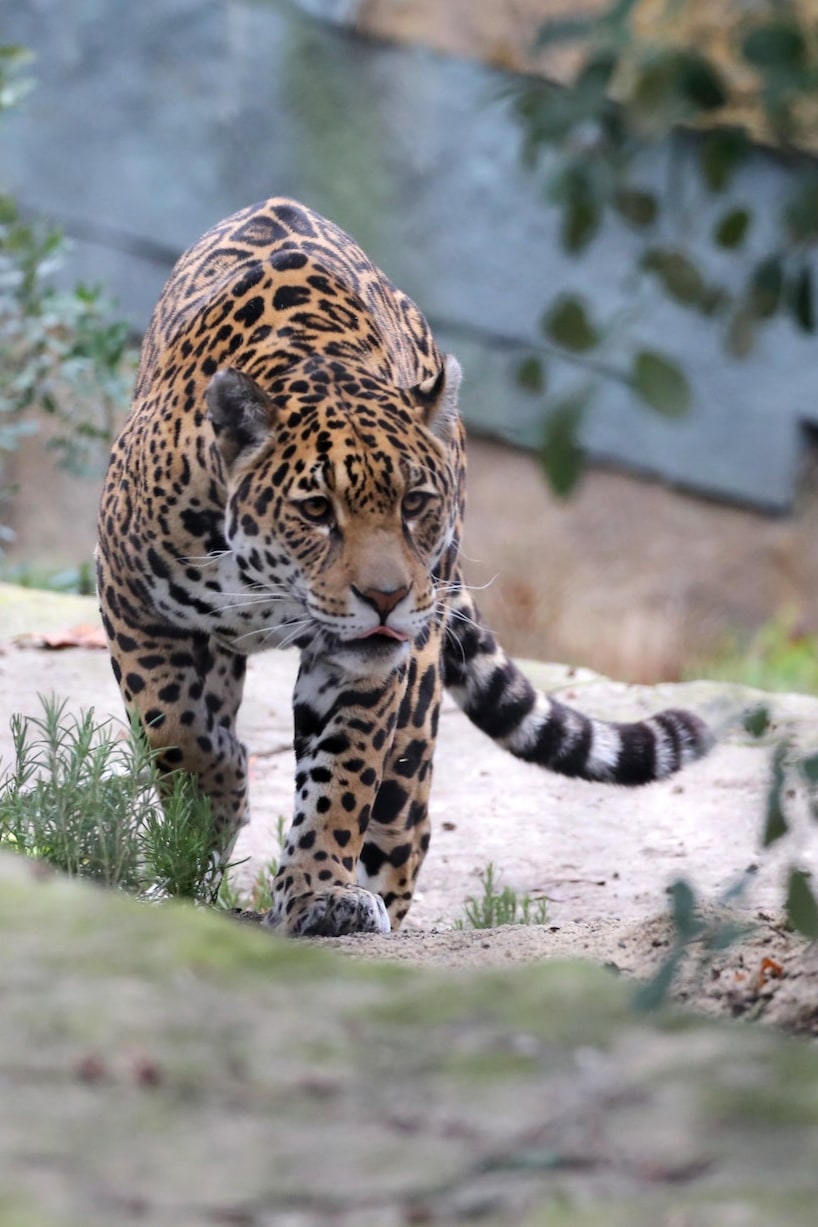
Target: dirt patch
767,974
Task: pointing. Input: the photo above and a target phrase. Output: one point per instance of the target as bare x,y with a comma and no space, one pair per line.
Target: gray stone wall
153,120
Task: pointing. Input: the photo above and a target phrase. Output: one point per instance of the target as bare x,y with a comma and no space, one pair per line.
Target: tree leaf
567,324
731,229
8,210
677,273
581,219
683,911
660,383
802,300
722,152
741,334
715,300
809,768
801,212
653,994
531,375
653,90
700,82
801,907
594,78
766,286
776,45
674,83
561,455
563,30
757,721
636,207
617,18
776,824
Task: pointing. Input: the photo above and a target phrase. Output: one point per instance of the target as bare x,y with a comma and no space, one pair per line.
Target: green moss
560,1000
108,931
750,1206
17,1214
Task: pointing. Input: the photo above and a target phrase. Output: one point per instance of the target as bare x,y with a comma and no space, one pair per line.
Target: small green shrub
86,800
500,907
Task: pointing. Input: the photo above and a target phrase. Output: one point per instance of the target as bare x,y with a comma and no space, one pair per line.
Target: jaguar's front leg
398,835
344,728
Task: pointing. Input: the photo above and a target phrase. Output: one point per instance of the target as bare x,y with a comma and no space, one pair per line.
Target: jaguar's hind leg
185,691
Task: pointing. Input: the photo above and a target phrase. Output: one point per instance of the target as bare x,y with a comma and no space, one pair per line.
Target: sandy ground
602,857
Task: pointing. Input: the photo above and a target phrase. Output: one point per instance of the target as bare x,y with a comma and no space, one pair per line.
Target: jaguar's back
342,304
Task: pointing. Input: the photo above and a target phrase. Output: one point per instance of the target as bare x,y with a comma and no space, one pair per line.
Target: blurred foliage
709,930
62,353
792,773
589,142
780,656
79,579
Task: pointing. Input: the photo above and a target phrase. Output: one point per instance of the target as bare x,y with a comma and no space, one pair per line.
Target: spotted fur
292,472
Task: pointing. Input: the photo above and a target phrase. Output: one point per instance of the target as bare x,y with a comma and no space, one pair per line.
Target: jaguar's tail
500,700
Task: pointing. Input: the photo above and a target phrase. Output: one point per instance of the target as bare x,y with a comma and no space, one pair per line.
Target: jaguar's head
341,491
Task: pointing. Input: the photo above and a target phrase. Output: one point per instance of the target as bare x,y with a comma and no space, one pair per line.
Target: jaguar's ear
437,397
241,414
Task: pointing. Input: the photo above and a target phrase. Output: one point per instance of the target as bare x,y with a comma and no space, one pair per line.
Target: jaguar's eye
318,509
414,503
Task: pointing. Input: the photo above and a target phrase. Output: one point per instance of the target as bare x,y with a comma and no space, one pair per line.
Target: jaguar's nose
382,600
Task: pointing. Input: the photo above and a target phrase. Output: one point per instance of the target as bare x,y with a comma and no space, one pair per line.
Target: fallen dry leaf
84,635
770,969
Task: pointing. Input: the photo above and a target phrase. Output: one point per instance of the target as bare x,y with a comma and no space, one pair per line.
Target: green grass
500,906
780,656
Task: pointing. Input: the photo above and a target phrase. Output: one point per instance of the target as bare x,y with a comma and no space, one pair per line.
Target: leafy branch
790,774
62,353
591,143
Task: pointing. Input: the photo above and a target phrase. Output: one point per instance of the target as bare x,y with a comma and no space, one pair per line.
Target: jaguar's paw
330,913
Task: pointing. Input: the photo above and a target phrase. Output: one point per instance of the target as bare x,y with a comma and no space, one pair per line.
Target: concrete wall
153,120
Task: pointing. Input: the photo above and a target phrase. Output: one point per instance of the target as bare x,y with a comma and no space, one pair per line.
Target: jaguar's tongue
386,631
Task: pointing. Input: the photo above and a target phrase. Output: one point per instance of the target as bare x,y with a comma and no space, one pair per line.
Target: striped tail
500,700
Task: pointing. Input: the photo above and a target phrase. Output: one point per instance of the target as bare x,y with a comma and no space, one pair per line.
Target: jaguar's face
341,492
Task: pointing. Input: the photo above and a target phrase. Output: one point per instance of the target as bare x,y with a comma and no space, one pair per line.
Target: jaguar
292,473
